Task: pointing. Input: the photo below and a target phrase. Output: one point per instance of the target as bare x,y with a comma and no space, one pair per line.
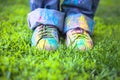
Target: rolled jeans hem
46,17
79,21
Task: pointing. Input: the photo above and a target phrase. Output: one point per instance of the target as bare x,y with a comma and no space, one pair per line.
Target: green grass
20,61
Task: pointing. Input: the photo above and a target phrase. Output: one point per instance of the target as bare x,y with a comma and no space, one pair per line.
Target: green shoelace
46,31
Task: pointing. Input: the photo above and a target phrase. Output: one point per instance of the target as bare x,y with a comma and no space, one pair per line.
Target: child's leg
45,12
45,19
79,14
78,8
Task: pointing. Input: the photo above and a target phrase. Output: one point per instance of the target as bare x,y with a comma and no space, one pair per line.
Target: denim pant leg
49,4
34,4
45,12
79,13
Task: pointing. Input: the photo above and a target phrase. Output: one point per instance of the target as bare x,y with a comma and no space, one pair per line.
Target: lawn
20,61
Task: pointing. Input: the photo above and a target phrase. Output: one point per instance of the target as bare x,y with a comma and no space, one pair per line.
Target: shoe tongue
77,30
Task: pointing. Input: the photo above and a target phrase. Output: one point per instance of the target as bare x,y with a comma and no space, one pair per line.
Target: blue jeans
74,14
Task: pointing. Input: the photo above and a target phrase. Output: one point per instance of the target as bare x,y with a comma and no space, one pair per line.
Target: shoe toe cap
48,44
83,44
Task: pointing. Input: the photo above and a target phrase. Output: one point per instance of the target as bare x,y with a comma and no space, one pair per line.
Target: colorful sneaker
78,39
45,38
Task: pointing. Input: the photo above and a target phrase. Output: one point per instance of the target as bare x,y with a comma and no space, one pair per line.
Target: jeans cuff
46,17
79,21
